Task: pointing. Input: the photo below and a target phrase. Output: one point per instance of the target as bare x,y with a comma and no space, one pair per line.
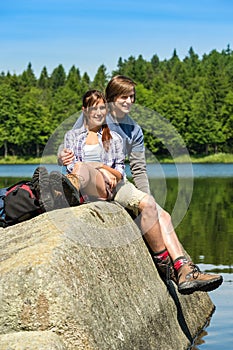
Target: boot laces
195,270
74,179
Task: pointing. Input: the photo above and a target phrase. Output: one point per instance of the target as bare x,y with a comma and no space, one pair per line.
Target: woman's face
96,114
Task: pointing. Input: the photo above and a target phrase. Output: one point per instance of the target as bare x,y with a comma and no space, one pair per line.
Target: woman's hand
109,177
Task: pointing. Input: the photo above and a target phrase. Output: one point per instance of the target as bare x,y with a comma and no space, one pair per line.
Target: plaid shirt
75,140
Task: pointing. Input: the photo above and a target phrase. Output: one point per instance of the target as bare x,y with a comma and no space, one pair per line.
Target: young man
155,222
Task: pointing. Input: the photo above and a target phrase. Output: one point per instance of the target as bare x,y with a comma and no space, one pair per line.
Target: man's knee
148,206
164,216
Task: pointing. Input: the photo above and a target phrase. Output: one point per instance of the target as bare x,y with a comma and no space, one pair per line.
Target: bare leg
91,180
170,238
150,224
158,229
159,233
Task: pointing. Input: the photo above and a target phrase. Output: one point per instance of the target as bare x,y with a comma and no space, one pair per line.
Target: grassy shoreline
214,158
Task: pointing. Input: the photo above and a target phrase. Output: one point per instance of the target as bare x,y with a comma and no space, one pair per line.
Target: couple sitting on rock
94,152
98,164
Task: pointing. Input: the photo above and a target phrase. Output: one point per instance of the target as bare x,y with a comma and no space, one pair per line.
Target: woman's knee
83,173
77,167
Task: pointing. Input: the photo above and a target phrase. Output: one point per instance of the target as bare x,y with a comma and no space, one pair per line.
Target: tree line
195,95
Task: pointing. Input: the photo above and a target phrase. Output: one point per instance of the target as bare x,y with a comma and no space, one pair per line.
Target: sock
180,261
162,255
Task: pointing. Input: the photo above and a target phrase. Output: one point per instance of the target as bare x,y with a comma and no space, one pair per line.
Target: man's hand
66,156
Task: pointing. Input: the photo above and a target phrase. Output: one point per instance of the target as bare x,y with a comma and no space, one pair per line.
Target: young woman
98,163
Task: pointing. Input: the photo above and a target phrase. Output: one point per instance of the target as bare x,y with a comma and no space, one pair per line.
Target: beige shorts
129,196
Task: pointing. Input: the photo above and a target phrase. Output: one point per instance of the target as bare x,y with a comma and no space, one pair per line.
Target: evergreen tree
74,79
120,68
8,112
194,76
65,103
216,80
85,83
28,78
33,123
155,63
101,78
58,77
172,104
227,121
204,131
43,81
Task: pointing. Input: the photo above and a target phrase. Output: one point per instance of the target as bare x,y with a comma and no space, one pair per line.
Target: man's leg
144,208
170,238
150,224
190,278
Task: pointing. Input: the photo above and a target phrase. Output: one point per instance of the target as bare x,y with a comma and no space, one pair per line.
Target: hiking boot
74,179
40,181
65,193
191,279
166,269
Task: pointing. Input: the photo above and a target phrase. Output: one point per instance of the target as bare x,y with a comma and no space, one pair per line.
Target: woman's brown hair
90,99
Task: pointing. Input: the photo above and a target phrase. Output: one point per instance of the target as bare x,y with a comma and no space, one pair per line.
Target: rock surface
81,278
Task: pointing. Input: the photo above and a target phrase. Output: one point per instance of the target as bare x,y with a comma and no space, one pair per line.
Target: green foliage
101,78
179,103
8,111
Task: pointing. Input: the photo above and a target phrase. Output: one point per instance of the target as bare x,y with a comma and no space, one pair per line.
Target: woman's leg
91,180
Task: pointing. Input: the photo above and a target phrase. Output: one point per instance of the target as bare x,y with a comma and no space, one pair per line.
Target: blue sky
88,33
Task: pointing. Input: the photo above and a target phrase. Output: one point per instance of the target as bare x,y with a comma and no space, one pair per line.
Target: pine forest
194,94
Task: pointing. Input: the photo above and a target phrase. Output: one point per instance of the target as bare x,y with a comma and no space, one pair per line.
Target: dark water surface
204,224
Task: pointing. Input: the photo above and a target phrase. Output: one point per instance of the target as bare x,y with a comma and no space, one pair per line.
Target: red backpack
20,203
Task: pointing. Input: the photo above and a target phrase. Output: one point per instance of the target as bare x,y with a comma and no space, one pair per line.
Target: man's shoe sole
40,180
186,288
61,183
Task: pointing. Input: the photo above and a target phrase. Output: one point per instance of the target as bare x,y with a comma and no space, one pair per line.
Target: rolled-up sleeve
69,142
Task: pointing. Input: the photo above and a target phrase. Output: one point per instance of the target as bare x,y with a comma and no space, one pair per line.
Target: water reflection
206,231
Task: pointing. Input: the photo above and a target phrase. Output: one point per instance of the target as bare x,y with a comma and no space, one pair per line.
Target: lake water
154,170
200,199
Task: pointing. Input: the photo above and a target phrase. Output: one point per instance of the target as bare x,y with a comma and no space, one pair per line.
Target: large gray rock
45,340
84,279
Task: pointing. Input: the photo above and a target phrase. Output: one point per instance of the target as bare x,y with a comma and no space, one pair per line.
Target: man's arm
138,170
64,155
137,159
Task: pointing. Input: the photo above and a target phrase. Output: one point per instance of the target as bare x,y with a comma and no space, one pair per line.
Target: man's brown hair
119,85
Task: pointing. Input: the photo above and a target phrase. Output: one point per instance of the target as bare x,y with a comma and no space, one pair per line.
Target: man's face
123,103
